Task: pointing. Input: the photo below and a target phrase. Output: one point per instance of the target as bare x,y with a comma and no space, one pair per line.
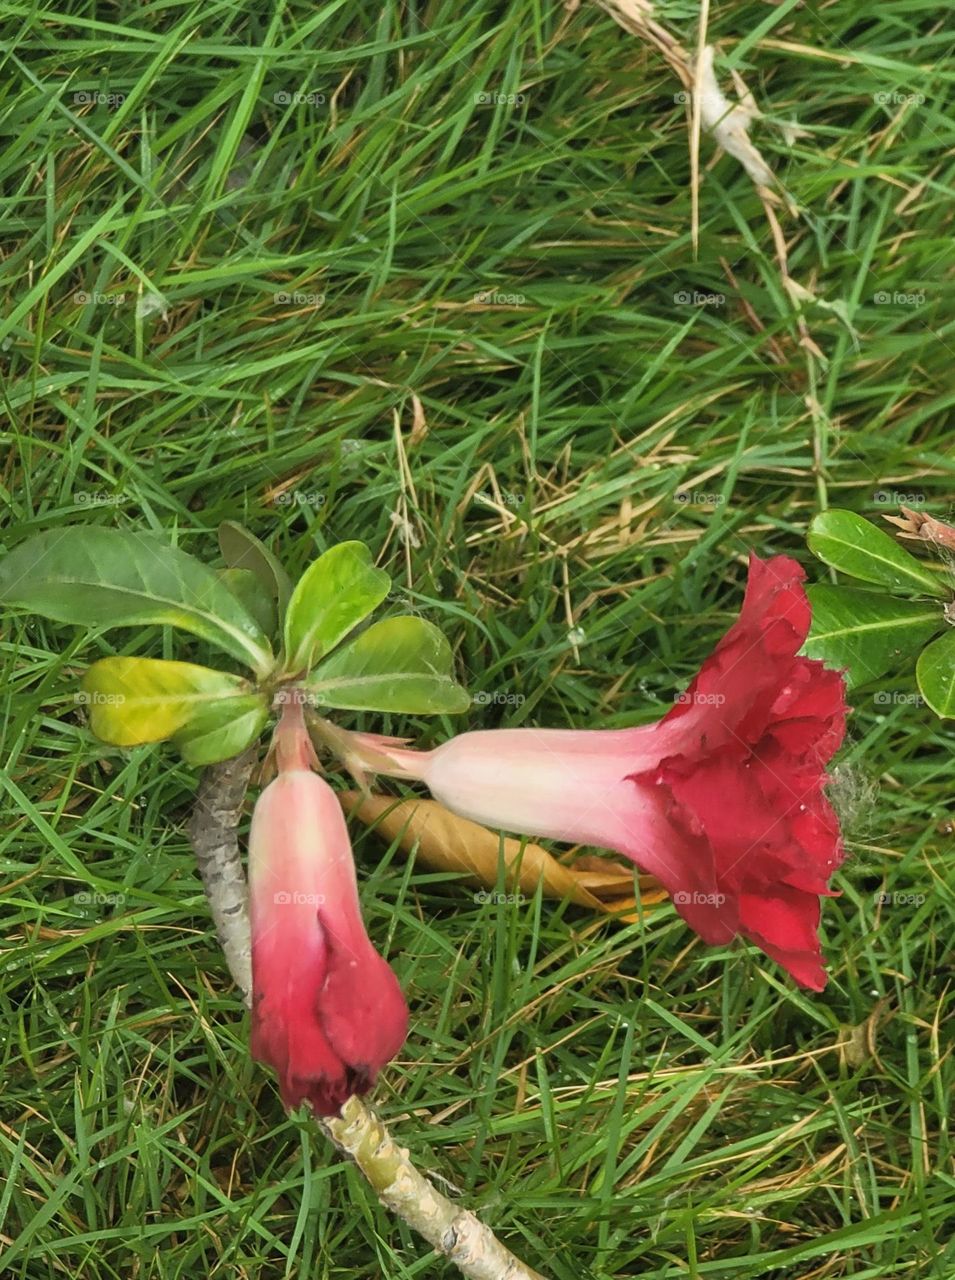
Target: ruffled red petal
745,782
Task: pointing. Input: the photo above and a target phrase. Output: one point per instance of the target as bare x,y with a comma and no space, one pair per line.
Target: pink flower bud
327,1010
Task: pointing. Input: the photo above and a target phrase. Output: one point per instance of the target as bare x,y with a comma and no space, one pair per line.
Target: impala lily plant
327,1010
722,799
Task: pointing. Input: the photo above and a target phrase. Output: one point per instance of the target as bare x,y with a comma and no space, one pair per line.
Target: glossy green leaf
398,664
110,578
935,673
241,549
222,730
855,546
334,594
249,592
136,700
866,632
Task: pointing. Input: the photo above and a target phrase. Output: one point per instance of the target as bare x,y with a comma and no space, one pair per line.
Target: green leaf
241,549
935,673
222,730
333,595
111,578
398,664
136,700
855,546
866,632
247,589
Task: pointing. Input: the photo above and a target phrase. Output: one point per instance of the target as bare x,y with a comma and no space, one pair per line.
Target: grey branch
214,832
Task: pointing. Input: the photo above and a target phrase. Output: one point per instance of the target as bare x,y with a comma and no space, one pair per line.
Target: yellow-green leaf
136,700
334,594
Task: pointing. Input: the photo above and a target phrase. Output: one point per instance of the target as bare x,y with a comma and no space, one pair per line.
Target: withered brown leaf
445,842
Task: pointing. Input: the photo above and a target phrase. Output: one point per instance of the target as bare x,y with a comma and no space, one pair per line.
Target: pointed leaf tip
855,546
334,594
241,549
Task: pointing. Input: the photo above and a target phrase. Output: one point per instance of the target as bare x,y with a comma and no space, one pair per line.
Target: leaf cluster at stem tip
101,578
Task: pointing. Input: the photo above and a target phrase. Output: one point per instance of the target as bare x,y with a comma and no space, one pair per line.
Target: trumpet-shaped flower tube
722,799
327,1011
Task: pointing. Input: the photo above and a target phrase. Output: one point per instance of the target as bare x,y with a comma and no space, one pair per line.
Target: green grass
614,1100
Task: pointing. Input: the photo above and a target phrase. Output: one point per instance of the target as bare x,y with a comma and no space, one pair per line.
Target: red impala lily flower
722,799
327,1011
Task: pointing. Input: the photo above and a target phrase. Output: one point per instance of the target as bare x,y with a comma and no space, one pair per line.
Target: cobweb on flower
853,793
